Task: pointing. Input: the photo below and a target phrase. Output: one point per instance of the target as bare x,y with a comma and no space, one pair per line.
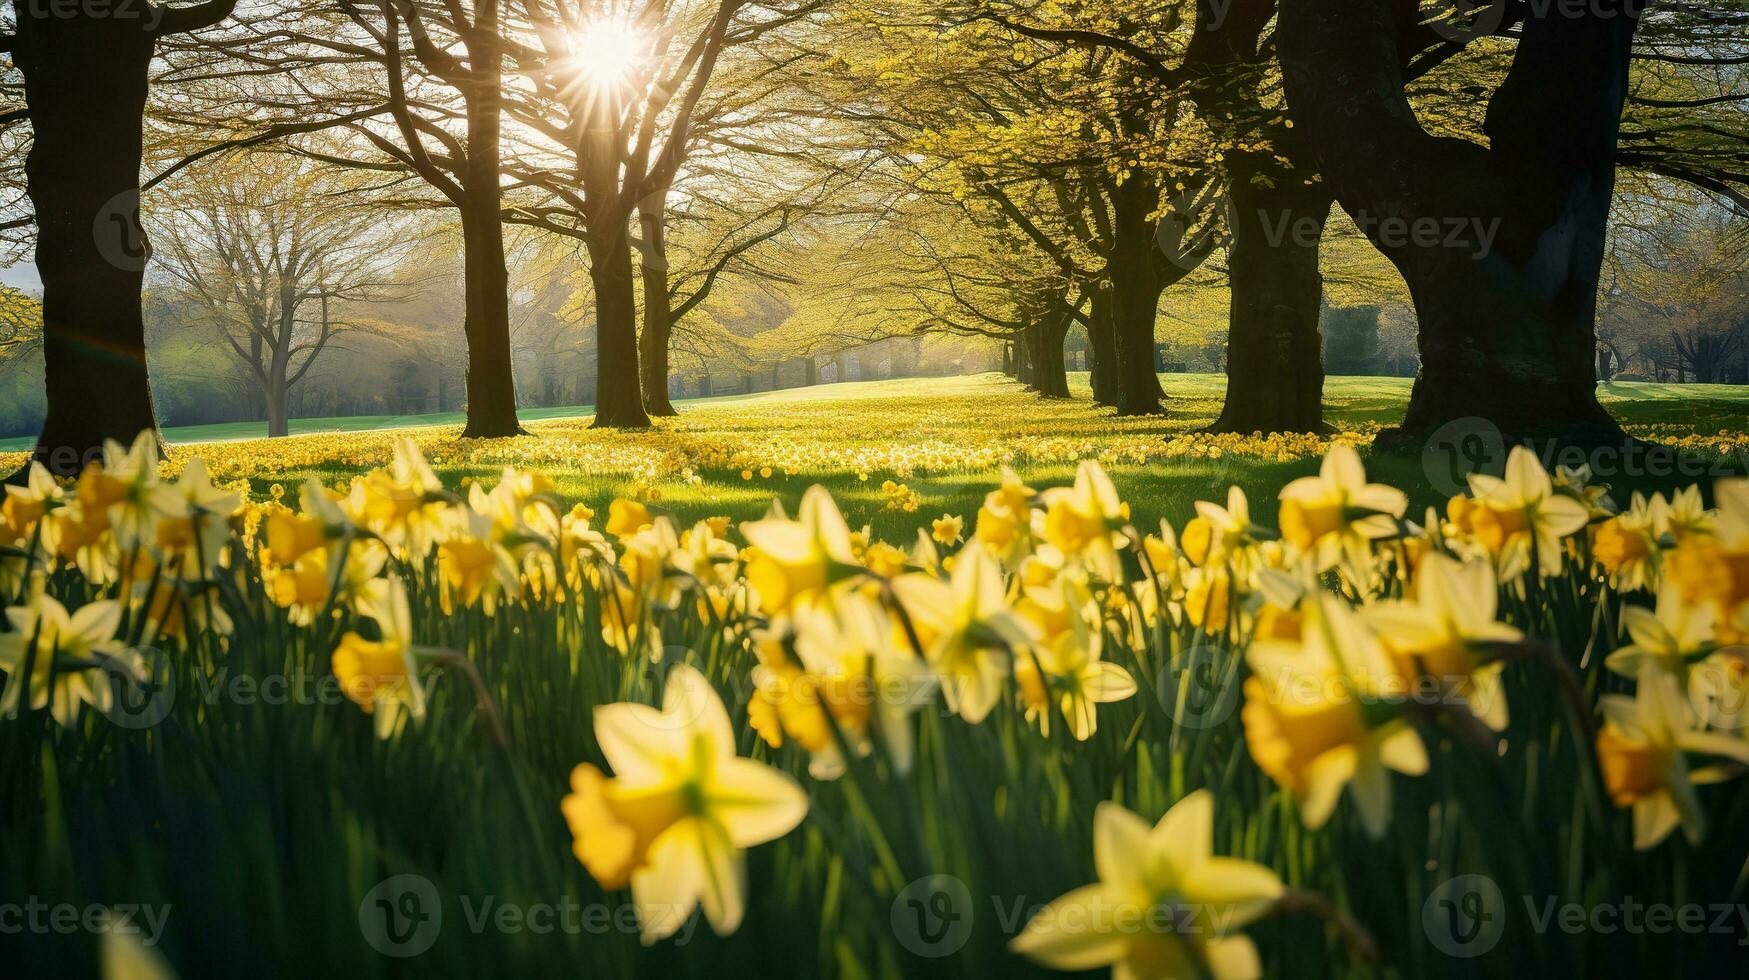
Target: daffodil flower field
389,725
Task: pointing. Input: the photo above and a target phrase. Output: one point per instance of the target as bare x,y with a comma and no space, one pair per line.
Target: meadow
388,703
945,439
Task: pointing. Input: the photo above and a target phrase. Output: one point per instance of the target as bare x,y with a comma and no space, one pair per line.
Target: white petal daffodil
680,809
1165,905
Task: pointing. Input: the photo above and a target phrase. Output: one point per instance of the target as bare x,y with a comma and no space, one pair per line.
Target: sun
609,50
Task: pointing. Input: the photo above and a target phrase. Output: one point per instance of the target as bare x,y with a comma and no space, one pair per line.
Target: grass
946,439
263,814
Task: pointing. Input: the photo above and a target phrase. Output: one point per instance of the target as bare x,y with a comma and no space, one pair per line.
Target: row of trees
1004,170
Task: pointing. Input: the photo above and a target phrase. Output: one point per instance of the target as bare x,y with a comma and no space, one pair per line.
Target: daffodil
1221,535
793,561
849,670
1062,668
1083,520
381,676
968,630
473,565
71,657
1522,515
1165,904
193,523
675,818
1327,712
1671,636
1445,632
403,502
947,530
1626,546
1338,514
626,518
1642,749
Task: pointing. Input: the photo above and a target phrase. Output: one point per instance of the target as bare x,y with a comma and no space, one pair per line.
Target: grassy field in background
1347,399
945,439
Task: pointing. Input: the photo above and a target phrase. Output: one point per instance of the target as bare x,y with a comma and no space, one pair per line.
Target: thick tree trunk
1135,294
1102,350
811,371
1275,374
85,82
1010,363
1049,376
658,311
619,400
1501,246
491,379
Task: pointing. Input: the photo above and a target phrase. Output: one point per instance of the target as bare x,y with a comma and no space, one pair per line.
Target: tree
270,248
1508,324
85,87
626,98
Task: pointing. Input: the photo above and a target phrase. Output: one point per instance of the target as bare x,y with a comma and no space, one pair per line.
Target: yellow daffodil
1626,546
381,676
1221,535
1443,634
1338,514
626,517
1521,515
193,521
1165,904
1063,666
850,670
72,658
1671,636
947,530
968,630
1642,751
680,809
1326,712
1082,521
792,561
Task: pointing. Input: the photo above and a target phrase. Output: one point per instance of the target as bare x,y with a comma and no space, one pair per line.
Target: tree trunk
1102,349
619,401
1049,377
1505,288
1135,295
85,83
658,312
1010,363
491,379
278,423
1023,363
812,371
1275,374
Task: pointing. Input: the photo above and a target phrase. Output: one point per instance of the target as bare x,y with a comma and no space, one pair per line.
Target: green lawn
945,439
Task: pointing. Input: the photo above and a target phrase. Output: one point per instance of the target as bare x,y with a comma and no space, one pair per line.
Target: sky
21,276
